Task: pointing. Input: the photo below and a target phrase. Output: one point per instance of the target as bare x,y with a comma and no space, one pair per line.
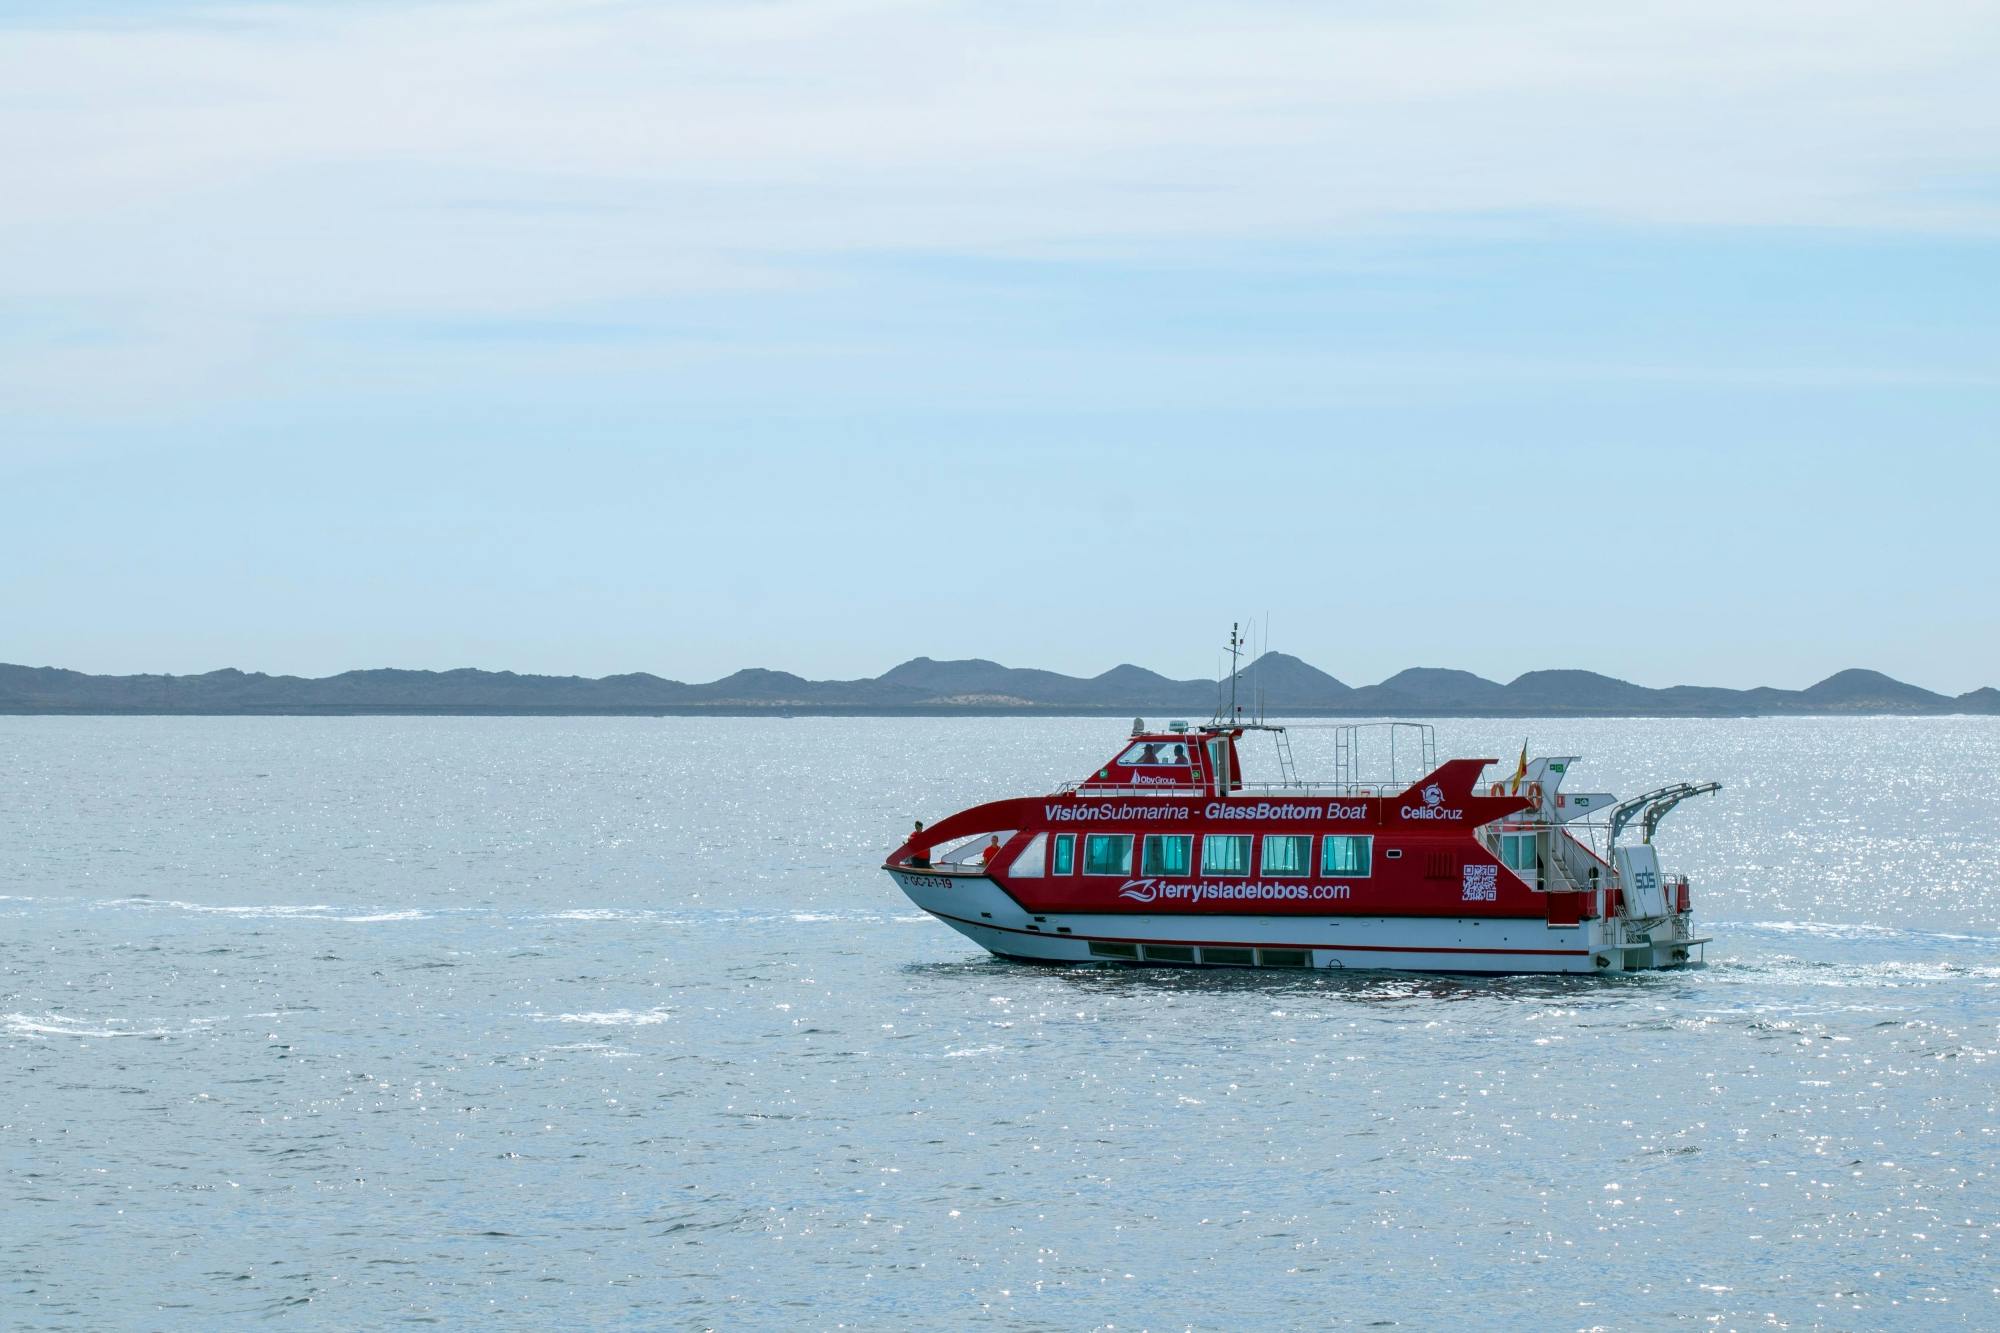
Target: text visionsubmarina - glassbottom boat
1166,856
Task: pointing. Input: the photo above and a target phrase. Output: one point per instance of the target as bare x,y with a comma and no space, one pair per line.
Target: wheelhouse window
1107,854
1064,861
1166,854
1225,854
1287,855
1157,754
1350,855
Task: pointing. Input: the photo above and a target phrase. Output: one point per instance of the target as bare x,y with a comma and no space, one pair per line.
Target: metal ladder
1287,769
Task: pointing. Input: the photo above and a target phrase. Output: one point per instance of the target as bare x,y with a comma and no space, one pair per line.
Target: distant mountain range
1278,683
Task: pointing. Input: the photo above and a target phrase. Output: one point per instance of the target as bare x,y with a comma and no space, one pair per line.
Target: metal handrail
1353,789
1178,789
1313,788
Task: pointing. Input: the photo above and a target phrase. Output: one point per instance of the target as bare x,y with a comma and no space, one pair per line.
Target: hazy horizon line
995,662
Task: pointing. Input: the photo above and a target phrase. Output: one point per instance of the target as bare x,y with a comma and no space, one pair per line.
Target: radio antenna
1235,652
1258,648
1263,695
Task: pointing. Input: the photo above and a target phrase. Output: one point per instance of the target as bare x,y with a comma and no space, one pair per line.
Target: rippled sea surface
614,1022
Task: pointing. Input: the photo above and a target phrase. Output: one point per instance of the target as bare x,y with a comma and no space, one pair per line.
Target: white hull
978,909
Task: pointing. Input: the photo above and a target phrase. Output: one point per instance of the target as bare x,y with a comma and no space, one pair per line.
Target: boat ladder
1287,769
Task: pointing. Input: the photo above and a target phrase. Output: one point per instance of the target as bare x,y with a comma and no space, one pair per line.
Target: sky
582,336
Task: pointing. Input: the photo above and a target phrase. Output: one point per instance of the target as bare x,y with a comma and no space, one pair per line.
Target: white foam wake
55,1025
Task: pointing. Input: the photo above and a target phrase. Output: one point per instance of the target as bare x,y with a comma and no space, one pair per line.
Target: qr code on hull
1482,884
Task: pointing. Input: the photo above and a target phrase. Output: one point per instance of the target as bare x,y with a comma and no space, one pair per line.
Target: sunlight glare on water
614,1022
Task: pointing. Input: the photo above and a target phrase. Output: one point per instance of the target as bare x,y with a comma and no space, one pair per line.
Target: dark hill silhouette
1141,683
934,677
1579,691
1280,683
975,680
1871,691
1435,688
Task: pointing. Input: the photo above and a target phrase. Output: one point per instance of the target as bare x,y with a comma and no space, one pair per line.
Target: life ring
1535,794
1498,790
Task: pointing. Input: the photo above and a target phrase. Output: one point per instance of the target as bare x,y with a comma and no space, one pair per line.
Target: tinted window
1225,854
1065,858
1166,854
1287,854
1107,854
1347,854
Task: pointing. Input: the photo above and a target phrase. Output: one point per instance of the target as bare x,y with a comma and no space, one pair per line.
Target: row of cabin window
1223,855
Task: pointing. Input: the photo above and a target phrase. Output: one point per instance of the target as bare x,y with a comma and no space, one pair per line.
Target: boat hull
981,910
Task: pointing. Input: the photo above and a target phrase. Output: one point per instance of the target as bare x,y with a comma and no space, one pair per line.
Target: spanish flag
1520,771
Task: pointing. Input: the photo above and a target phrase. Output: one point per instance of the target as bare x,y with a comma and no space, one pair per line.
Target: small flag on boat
1520,771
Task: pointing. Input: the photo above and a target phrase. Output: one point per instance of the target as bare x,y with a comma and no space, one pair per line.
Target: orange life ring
1535,794
1498,790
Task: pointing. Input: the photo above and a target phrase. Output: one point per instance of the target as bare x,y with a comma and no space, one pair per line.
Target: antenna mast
1235,651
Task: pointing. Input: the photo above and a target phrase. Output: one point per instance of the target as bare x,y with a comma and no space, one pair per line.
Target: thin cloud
297,160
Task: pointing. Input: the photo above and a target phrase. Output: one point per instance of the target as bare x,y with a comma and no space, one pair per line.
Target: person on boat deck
992,850
922,855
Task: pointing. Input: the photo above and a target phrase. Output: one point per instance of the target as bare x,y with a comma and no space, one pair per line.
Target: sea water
562,1023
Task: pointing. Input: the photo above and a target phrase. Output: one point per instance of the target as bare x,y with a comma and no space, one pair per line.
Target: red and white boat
1164,855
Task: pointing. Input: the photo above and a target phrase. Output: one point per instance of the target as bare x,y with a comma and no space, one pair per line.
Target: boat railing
1304,788
1100,789
1241,789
